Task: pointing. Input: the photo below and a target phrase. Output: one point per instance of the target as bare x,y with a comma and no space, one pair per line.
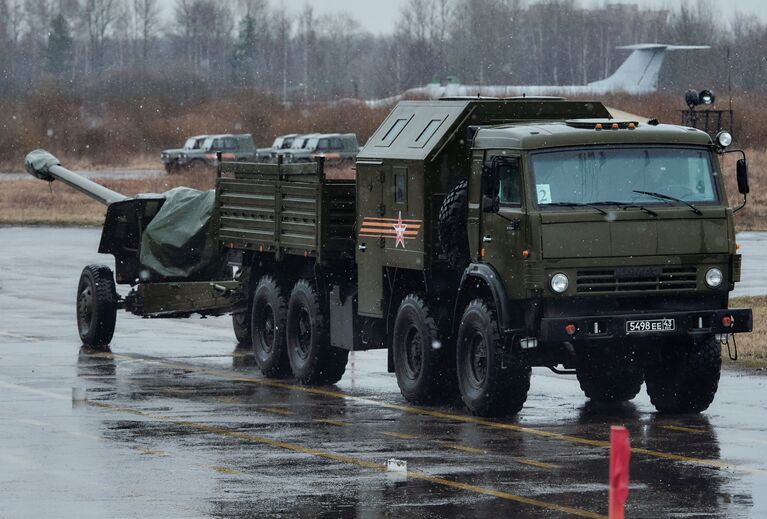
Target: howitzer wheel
96,306
241,326
312,359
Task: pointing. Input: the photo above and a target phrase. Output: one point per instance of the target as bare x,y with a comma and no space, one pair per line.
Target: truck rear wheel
267,323
685,377
492,382
312,359
610,374
453,237
96,306
422,362
241,327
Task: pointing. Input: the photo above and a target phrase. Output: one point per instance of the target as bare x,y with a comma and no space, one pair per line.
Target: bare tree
146,14
98,17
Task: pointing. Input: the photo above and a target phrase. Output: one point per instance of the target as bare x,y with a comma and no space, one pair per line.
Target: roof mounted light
704,97
723,139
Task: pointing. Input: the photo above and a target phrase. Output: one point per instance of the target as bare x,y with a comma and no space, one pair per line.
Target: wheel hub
267,329
304,334
478,360
85,308
413,352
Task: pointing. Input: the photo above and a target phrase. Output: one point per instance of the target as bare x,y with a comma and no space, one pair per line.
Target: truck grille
636,279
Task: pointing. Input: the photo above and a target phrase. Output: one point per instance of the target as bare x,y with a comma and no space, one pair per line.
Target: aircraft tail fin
640,71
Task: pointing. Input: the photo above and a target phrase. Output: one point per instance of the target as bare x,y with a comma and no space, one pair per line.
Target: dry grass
752,347
32,202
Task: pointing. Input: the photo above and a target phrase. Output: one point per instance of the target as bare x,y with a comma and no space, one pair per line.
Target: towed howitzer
163,250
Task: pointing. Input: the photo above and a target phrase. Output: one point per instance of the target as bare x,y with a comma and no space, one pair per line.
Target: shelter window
394,132
428,131
400,189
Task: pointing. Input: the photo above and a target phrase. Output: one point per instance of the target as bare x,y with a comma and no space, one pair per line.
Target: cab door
503,217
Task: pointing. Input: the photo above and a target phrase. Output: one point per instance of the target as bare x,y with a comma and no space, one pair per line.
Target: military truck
200,152
483,237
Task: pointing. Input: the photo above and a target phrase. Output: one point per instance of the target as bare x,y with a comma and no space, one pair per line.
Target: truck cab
543,232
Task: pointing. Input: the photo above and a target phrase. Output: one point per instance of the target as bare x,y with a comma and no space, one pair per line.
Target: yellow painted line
436,414
277,410
462,448
223,470
535,463
683,429
151,452
228,400
401,436
337,423
19,336
343,458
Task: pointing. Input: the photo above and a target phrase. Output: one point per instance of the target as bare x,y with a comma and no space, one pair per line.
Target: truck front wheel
685,377
422,362
312,359
96,306
492,382
609,374
267,325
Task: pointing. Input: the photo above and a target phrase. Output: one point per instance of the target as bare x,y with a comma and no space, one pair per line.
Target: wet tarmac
179,423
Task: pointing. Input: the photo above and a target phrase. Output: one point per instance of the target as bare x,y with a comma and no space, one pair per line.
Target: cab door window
509,176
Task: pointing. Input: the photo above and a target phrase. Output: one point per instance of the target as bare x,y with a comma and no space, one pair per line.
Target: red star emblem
400,229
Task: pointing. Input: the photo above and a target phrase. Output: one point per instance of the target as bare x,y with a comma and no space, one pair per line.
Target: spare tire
453,237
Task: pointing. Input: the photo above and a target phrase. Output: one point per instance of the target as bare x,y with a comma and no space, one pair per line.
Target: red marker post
620,452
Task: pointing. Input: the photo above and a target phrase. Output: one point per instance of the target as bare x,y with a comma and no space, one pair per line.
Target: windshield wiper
627,205
579,204
661,196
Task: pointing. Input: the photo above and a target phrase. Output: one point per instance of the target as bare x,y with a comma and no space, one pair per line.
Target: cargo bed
285,209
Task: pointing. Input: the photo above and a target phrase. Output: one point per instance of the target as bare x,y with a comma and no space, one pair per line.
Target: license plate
651,325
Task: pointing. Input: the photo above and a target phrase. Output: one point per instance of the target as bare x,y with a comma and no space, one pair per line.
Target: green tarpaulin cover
177,243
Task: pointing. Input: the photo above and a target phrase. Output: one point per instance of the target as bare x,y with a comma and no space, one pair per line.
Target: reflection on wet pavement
179,423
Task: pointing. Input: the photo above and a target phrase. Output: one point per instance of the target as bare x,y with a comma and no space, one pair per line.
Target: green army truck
481,237
495,235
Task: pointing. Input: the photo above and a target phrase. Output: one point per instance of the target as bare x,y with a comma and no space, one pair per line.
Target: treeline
305,56
108,78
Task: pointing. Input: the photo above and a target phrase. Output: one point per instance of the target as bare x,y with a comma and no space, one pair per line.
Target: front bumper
696,322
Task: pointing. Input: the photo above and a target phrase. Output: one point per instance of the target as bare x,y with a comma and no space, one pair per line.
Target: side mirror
742,176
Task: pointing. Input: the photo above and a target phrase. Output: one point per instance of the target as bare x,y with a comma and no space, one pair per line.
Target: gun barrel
41,164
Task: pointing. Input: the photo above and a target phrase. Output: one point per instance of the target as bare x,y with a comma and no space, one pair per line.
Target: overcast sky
380,16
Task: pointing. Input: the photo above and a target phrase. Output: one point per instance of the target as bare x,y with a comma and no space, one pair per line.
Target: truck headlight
714,277
559,283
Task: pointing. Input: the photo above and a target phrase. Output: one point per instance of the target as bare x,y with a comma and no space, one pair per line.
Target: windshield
189,144
587,176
